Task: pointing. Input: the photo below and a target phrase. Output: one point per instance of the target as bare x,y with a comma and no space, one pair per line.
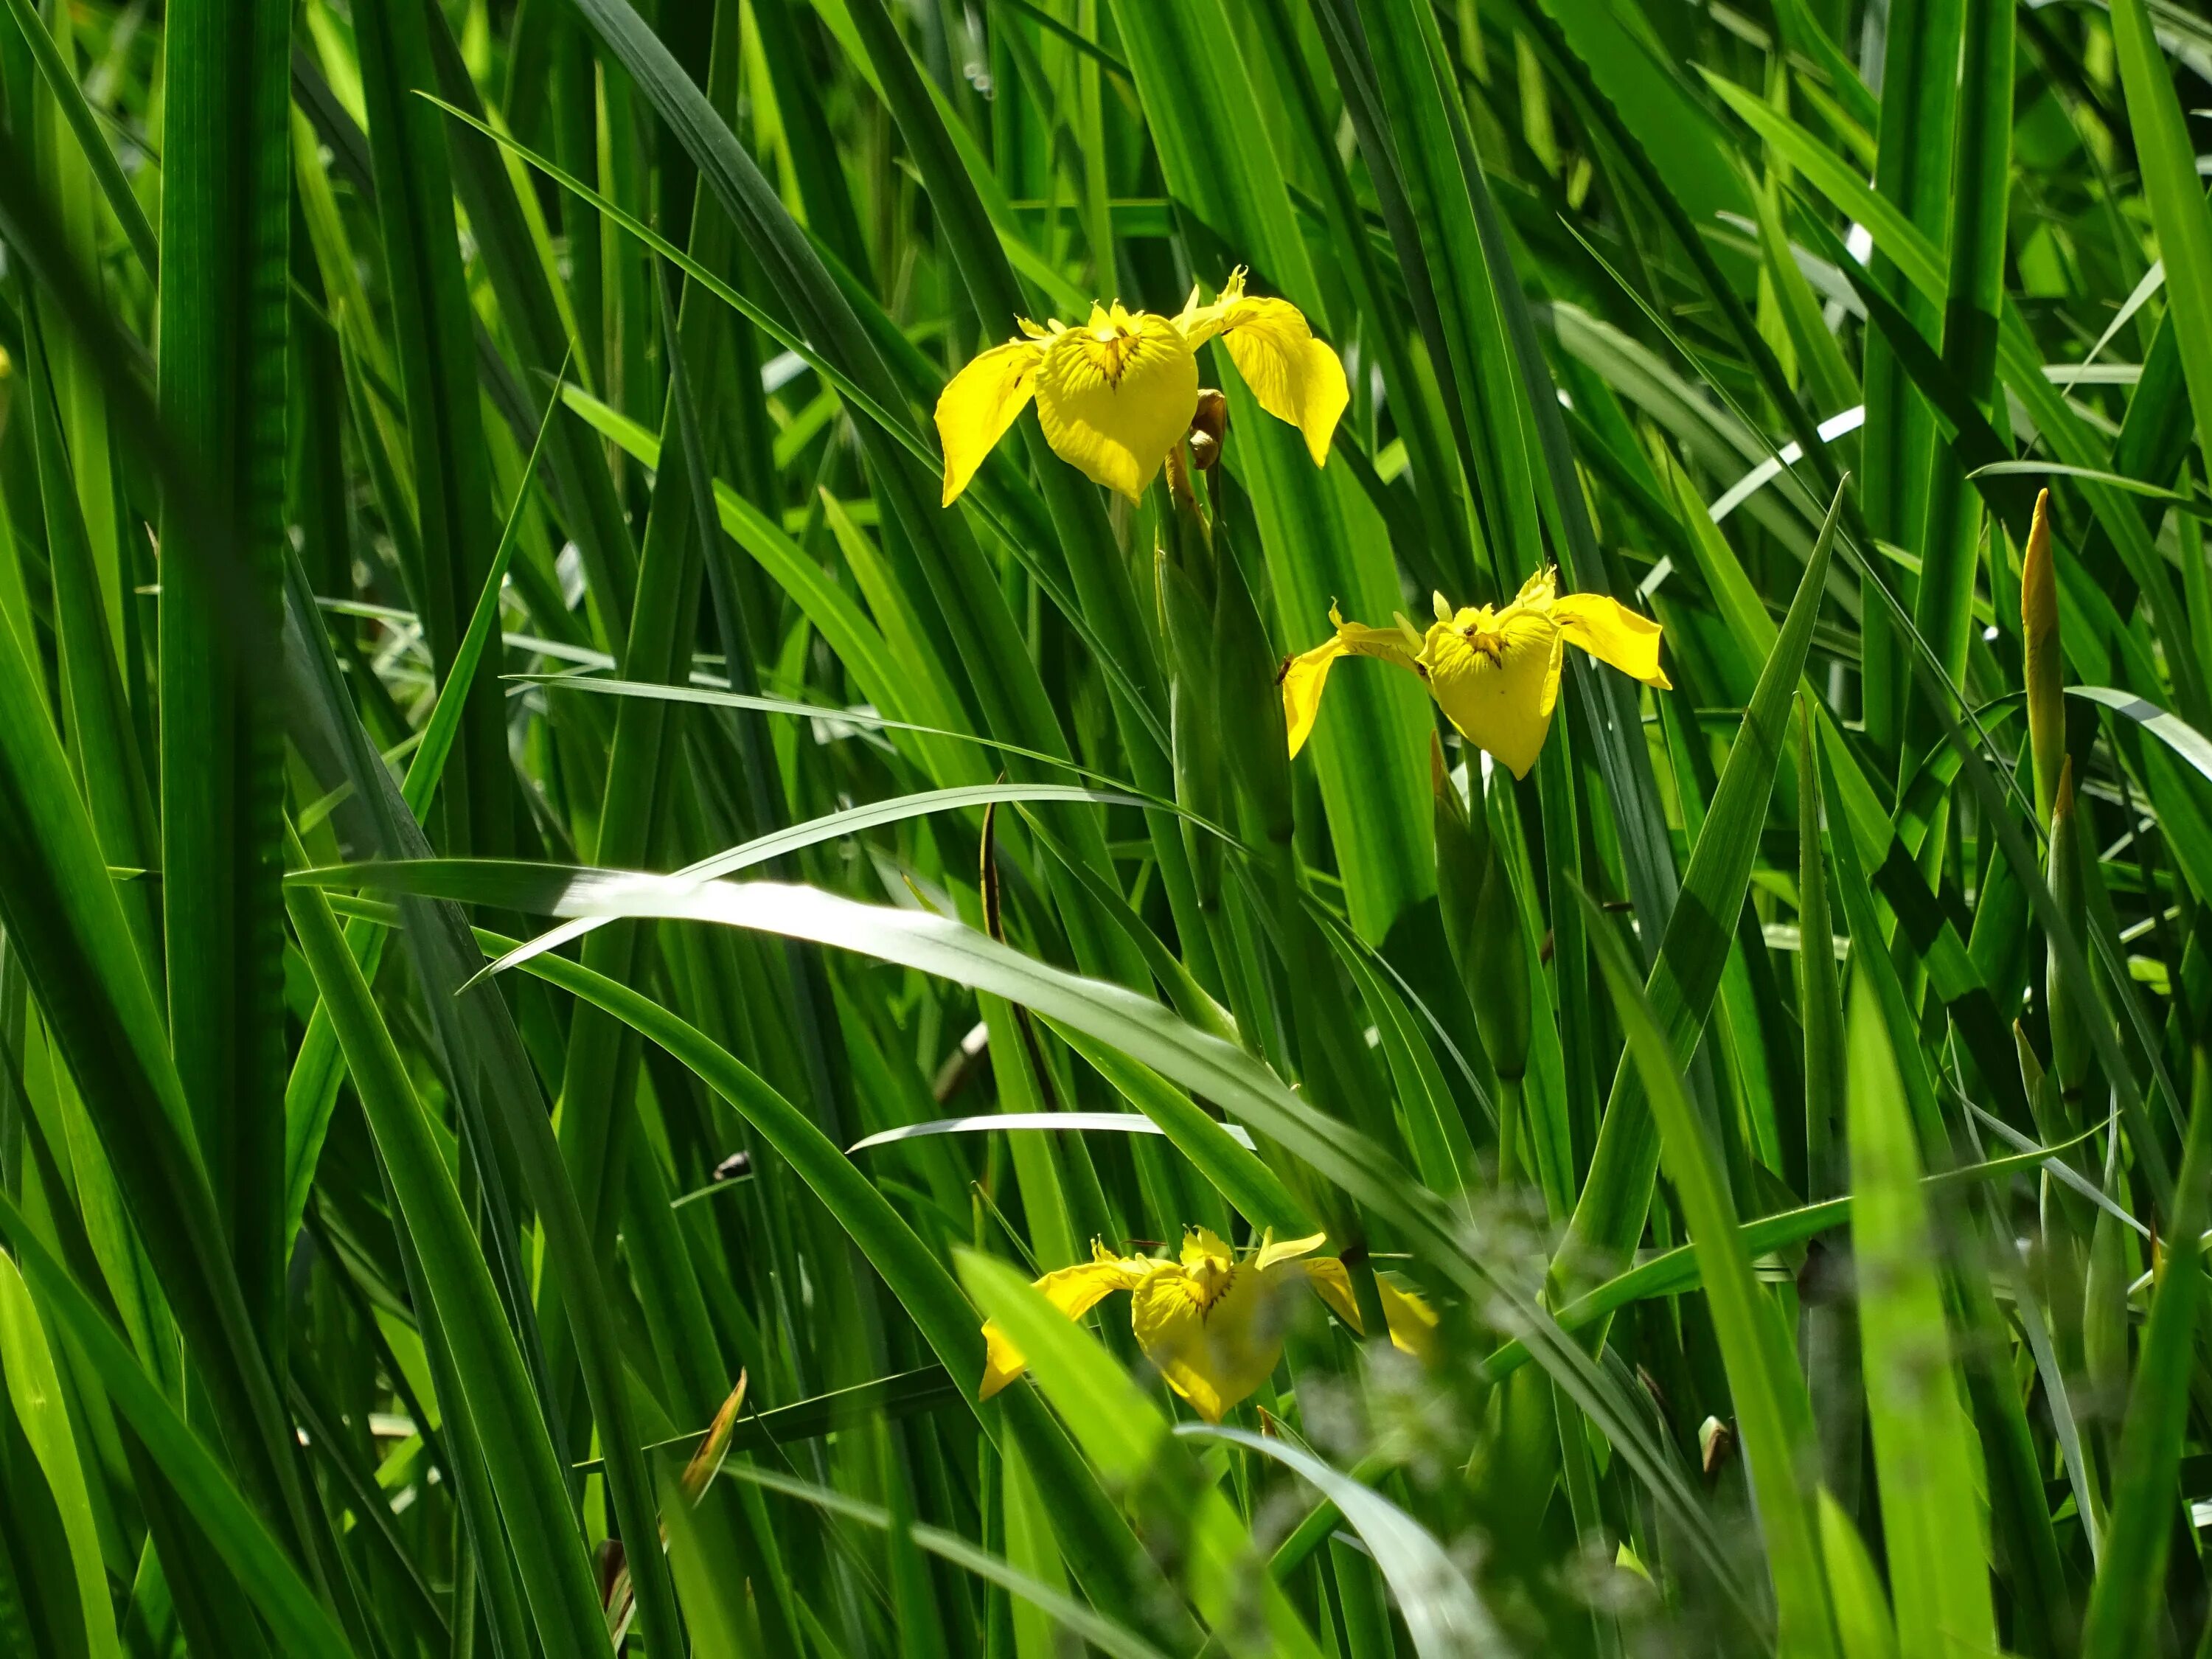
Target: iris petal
1203,1250
980,403
1171,1327
1273,1255
1538,590
1075,1290
1412,1322
1214,1343
1115,395
1306,675
1612,634
1294,377
1499,687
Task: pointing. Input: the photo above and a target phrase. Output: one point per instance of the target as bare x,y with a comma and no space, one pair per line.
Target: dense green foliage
461,462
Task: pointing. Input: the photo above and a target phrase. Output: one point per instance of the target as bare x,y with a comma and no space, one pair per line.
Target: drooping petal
1296,377
1306,675
1002,1361
979,404
1115,395
1171,1327
1612,634
1075,1290
1412,1322
1214,1345
1333,1283
1498,683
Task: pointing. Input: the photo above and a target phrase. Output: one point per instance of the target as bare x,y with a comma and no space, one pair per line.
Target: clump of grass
1694,1144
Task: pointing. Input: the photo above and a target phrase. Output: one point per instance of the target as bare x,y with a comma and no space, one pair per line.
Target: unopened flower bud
1209,429
2043,667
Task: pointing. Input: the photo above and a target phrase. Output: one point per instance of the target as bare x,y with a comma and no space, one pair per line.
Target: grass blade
223,315
2125,1601
1772,1409
1616,1193
248,1548
1922,1457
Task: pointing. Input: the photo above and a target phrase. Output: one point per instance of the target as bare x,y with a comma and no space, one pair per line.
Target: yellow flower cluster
1115,395
1211,1324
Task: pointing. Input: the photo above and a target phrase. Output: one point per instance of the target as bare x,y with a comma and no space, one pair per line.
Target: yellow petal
1116,395
1538,589
1612,634
1214,1347
1333,1284
1171,1329
980,403
1271,1254
1296,377
1305,676
1412,1322
1205,1249
1497,683
1198,323
1075,1290
1002,1361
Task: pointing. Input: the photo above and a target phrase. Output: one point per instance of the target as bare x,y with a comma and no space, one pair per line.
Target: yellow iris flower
1493,669
1213,1324
1115,395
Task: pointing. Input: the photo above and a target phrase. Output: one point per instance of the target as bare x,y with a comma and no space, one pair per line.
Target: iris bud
2042,666
1209,428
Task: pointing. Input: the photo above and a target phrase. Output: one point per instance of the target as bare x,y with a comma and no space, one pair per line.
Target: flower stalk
1483,922
2070,1049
